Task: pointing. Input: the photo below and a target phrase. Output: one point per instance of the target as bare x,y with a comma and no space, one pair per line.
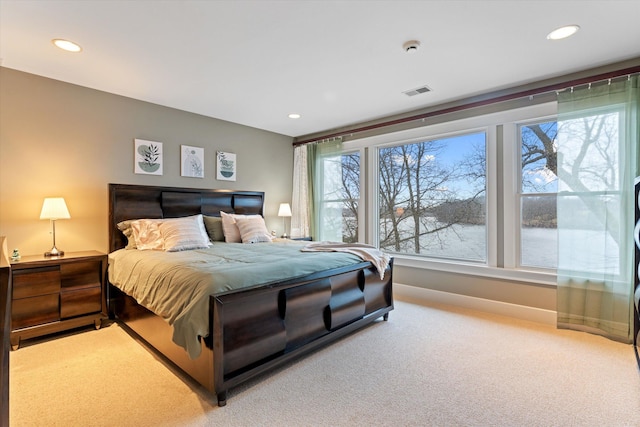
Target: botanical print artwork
192,161
226,170
147,157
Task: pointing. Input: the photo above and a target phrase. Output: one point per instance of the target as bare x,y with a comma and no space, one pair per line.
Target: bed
256,327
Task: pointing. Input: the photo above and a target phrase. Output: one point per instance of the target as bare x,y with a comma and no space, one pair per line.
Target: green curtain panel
325,178
597,149
311,173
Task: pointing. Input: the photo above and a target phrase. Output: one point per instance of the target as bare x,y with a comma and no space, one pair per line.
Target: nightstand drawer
36,281
34,311
77,275
83,301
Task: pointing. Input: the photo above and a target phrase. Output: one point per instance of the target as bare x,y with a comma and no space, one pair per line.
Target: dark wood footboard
259,329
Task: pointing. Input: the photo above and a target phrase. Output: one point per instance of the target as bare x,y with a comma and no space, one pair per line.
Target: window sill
459,267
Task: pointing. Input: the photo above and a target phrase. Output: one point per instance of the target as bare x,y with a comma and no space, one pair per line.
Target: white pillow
253,230
229,227
180,234
146,234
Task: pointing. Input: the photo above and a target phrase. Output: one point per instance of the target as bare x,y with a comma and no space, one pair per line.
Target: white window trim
512,185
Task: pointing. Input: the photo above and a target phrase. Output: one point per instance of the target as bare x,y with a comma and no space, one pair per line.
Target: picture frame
191,161
226,166
147,157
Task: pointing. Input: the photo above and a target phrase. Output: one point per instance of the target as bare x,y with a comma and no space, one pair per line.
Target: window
339,199
591,188
432,198
538,188
473,196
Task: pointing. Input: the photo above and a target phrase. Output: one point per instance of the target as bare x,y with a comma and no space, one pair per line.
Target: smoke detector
411,46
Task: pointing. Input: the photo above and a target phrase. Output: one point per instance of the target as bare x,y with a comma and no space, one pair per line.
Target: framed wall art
147,157
192,161
226,166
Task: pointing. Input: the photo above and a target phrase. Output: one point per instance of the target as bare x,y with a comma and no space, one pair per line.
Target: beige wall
58,139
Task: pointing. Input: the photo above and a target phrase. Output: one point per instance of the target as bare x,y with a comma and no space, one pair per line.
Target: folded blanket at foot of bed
379,259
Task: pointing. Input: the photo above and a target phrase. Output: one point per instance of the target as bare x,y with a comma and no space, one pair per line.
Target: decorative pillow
213,225
181,234
146,234
125,227
253,230
229,227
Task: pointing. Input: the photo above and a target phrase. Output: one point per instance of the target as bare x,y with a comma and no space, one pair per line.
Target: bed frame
252,330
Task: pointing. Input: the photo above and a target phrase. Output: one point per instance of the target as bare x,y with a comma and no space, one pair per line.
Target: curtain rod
508,97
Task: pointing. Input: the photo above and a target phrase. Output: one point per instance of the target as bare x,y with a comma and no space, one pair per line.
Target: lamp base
54,252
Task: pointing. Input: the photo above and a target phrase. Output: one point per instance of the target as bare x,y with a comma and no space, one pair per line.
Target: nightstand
52,294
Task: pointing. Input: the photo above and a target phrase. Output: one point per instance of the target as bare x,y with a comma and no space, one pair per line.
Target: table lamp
284,212
54,208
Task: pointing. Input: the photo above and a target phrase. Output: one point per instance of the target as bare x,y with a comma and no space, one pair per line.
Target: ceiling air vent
417,91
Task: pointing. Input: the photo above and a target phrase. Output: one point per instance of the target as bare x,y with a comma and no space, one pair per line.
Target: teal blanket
177,285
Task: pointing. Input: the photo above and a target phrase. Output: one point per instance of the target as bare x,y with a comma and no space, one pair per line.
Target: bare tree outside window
432,198
538,194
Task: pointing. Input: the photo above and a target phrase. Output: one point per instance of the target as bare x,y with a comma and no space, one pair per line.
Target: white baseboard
424,295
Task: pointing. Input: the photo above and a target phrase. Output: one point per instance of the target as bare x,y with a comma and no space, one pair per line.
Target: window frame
513,159
376,212
321,201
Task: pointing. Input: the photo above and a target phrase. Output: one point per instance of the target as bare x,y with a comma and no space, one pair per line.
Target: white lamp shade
285,209
54,208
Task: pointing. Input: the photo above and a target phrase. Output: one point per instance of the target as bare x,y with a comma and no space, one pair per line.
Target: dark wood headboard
144,201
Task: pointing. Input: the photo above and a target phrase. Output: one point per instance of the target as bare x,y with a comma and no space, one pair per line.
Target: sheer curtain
597,147
300,201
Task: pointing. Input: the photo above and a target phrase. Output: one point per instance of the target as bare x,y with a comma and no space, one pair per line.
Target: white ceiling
334,62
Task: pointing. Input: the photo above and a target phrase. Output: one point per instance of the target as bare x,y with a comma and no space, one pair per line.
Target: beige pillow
181,234
146,234
229,227
253,230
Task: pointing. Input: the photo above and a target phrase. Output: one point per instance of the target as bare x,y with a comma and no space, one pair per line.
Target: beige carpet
426,366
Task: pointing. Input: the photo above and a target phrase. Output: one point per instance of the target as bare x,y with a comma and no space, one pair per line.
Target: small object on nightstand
15,256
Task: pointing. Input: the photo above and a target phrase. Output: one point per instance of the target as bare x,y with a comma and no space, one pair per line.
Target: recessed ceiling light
294,116
563,32
66,45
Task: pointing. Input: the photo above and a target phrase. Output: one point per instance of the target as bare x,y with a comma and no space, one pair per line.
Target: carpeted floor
426,366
